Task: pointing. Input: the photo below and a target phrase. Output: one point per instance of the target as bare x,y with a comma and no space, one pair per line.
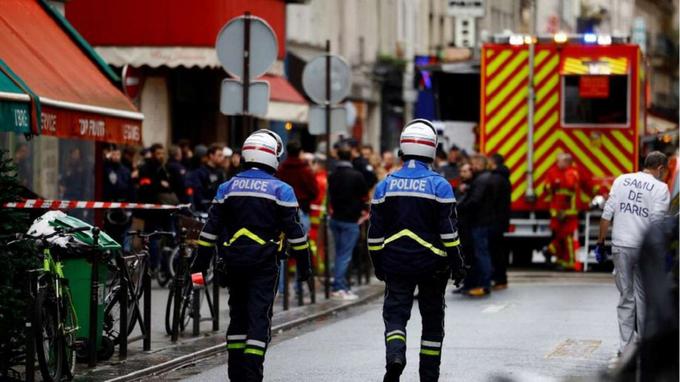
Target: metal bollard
286,293
30,339
216,305
326,265
146,285
178,284
94,301
196,307
123,301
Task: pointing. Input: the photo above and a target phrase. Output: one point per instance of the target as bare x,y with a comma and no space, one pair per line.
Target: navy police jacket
247,218
413,223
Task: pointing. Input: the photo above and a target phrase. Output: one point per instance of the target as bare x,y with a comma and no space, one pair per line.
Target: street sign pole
246,72
326,269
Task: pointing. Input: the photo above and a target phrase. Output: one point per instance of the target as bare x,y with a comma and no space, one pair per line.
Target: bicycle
131,268
190,298
54,318
169,250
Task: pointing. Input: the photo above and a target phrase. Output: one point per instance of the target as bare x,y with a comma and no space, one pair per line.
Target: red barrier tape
71,204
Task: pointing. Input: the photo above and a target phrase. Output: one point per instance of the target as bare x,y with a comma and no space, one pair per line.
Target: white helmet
263,147
419,138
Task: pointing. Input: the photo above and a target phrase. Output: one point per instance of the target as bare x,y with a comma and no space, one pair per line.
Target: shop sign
90,126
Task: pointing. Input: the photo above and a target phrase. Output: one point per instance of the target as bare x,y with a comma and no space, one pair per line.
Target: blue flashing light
590,38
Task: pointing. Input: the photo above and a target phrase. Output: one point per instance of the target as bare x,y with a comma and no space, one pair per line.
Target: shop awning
15,103
75,89
285,103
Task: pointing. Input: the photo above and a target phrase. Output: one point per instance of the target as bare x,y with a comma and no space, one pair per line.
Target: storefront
59,103
178,72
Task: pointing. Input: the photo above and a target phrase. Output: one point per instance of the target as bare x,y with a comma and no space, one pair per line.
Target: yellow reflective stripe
452,243
563,191
408,233
375,247
203,243
247,233
430,352
300,247
396,337
237,345
254,351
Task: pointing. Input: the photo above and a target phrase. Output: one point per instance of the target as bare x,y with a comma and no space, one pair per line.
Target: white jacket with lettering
635,201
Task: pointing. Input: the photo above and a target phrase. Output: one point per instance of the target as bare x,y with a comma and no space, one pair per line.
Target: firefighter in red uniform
562,185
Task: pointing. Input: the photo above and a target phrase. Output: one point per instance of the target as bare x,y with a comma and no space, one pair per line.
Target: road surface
546,329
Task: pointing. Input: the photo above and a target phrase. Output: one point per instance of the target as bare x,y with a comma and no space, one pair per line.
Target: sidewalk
165,355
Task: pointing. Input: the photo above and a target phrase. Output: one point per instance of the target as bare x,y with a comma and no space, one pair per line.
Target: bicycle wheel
166,272
49,343
135,271
183,316
69,331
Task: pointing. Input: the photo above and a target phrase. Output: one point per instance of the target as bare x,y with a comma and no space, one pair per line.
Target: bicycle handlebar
149,235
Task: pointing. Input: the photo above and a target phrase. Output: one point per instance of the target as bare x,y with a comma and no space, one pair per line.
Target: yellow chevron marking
519,173
520,154
580,154
546,69
500,59
489,53
622,158
508,128
519,191
546,145
546,126
624,141
507,70
508,89
546,107
512,141
549,86
540,56
597,152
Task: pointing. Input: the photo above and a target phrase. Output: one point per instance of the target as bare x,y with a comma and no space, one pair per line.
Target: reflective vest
413,222
562,189
248,216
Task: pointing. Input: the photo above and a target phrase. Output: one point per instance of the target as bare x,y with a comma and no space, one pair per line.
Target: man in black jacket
478,205
502,192
348,195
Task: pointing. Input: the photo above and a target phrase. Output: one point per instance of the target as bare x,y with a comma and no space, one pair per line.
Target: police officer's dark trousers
251,296
397,306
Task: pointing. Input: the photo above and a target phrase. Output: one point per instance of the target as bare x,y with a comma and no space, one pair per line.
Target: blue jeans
306,225
346,235
480,246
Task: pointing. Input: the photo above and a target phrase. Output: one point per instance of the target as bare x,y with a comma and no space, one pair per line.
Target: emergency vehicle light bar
559,38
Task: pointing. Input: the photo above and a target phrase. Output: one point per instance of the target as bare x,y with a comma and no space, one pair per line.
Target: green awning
15,104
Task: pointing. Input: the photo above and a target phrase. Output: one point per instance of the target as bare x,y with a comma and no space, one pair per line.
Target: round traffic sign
230,44
314,79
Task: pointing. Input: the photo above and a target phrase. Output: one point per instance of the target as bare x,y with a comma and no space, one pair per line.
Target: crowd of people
182,174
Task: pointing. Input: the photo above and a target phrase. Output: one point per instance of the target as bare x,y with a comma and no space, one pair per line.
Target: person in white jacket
635,202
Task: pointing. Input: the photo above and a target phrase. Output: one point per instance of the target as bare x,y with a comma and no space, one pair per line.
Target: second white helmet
419,138
263,147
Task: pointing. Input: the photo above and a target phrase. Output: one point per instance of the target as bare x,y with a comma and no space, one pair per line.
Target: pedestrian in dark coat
502,193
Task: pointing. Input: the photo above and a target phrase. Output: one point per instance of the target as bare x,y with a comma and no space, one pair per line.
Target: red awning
285,103
78,100
282,91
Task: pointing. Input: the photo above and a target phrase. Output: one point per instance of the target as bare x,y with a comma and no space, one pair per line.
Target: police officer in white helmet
247,217
413,241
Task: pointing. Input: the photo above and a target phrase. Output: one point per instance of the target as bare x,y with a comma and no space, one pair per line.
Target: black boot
393,370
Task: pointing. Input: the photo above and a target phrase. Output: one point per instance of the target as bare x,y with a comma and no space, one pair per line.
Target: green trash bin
77,267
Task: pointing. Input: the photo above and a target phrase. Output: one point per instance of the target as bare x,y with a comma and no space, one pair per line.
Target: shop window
54,168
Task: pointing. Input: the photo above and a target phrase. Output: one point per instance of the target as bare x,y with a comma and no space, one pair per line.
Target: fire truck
543,95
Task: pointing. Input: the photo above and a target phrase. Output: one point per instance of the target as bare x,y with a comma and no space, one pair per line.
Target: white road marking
494,308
